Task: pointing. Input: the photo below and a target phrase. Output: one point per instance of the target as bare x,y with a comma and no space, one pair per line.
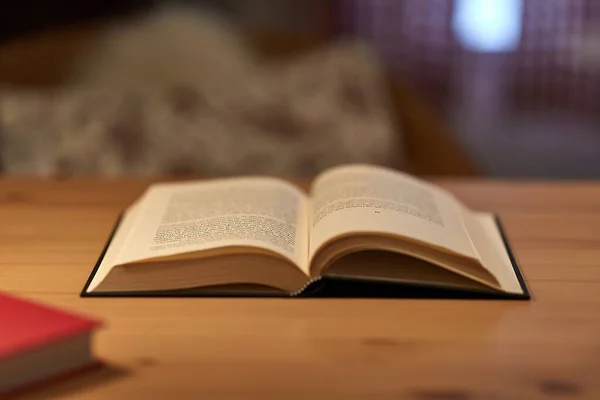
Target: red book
39,343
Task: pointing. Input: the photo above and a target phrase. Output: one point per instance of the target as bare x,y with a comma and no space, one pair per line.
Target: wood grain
52,233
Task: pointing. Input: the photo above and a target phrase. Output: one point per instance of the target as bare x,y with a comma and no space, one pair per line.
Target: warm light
488,25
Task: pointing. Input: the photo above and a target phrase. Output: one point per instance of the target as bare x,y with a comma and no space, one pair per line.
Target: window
488,25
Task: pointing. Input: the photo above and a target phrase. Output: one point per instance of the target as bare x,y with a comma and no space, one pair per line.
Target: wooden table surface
52,232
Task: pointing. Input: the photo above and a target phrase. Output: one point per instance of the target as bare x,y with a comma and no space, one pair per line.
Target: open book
359,226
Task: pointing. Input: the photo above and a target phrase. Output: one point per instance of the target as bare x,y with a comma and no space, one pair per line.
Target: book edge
153,293
111,236
449,293
526,295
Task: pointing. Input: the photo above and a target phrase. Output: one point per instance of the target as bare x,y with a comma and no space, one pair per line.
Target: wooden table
52,233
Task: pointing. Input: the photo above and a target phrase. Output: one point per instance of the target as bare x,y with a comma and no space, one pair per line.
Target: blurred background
507,88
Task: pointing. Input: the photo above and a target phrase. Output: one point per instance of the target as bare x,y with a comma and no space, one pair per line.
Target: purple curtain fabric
416,38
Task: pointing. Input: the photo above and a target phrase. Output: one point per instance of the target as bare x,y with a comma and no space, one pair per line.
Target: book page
491,249
116,244
370,199
177,218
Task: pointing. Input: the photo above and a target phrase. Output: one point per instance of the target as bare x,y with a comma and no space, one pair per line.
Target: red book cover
25,325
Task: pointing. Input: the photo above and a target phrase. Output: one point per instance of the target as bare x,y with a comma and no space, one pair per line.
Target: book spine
306,286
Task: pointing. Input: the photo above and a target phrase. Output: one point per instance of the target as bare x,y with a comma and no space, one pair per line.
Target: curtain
417,38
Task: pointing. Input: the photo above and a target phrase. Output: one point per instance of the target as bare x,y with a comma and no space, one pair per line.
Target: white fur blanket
180,93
